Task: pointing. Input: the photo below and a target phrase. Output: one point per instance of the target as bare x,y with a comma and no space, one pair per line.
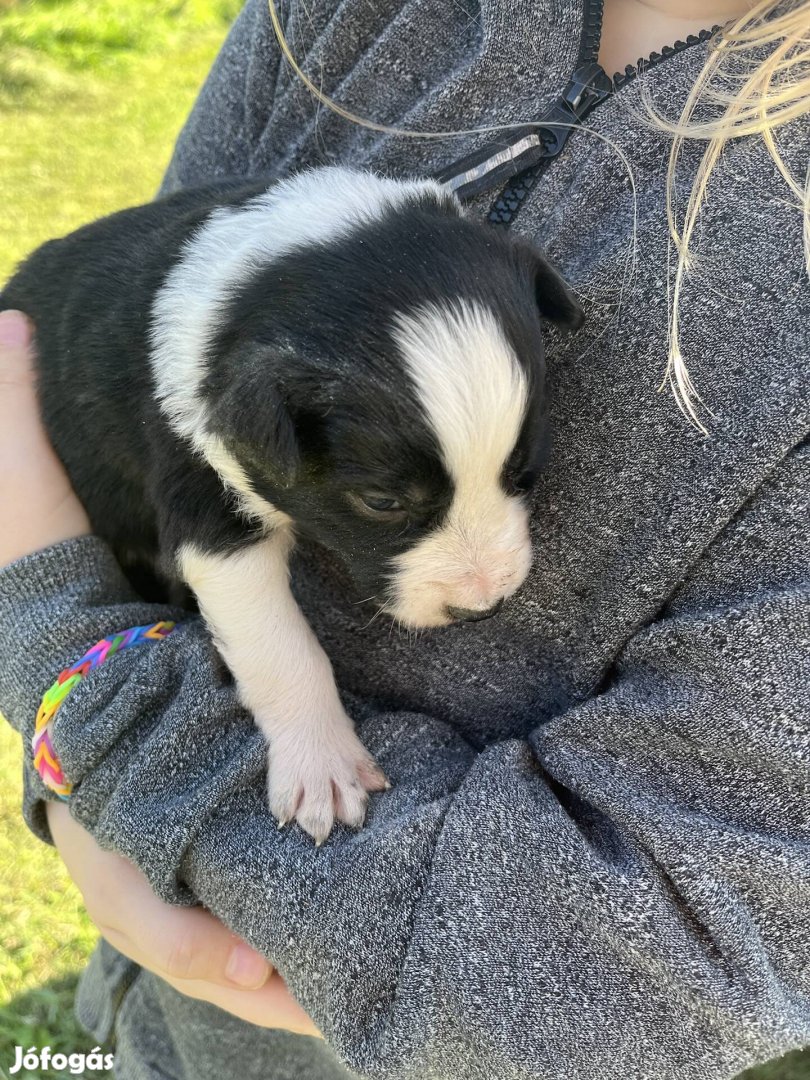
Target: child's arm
188,947
61,590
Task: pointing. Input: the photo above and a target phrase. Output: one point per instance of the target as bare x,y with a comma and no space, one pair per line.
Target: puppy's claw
372,777
317,787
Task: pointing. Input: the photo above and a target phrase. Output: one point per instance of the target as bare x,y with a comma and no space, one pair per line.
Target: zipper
632,72
522,149
518,159
590,93
507,205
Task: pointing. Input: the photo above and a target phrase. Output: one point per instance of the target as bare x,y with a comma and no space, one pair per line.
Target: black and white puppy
340,356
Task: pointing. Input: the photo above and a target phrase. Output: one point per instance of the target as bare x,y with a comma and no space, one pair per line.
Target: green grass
97,34
92,95
45,937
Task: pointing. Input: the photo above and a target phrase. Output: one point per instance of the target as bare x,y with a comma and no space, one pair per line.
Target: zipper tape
524,147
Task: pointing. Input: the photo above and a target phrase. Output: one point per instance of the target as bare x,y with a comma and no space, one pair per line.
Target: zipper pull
589,86
524,147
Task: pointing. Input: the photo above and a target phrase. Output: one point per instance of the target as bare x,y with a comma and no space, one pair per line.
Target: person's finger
37,504
271,1006
16,332
179,944
17,372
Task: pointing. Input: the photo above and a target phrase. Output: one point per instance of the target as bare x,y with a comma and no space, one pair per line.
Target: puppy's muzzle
459,614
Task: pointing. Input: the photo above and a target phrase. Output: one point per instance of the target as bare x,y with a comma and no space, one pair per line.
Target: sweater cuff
54,605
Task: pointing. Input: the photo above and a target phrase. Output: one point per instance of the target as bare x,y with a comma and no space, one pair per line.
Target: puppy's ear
554,298
248,410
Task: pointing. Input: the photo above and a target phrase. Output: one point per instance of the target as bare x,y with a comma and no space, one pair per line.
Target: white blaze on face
474,394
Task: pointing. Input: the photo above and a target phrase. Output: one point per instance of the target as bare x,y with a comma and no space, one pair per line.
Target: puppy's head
384,390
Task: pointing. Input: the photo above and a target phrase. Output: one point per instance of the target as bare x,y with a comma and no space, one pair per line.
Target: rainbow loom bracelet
46,760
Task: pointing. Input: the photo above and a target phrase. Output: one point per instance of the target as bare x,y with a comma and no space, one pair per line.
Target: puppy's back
90,295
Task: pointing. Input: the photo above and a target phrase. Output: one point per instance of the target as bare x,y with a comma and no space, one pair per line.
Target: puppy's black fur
302,379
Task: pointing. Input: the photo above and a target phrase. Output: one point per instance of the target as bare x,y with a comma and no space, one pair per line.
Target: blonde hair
768,93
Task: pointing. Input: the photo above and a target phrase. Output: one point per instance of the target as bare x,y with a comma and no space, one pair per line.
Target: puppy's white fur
318,767
474,394
233,476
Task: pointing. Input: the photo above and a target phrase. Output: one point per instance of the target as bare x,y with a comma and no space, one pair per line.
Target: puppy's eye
380,504
376,505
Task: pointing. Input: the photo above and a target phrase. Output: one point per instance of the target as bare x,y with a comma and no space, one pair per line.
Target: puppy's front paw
317,783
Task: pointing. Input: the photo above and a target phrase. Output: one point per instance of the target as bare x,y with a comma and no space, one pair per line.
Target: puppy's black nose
462,614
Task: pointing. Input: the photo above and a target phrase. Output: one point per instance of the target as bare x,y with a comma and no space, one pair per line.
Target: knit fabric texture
594,863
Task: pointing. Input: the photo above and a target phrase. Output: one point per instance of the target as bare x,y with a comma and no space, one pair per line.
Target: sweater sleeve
55,605
219,137
624,893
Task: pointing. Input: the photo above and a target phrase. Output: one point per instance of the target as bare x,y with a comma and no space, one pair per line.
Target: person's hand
187,947
37,504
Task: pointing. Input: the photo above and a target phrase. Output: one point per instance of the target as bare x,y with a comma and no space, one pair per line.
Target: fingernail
247,968
15,328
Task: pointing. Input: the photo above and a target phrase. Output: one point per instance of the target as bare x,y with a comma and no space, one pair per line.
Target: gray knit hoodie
594,863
